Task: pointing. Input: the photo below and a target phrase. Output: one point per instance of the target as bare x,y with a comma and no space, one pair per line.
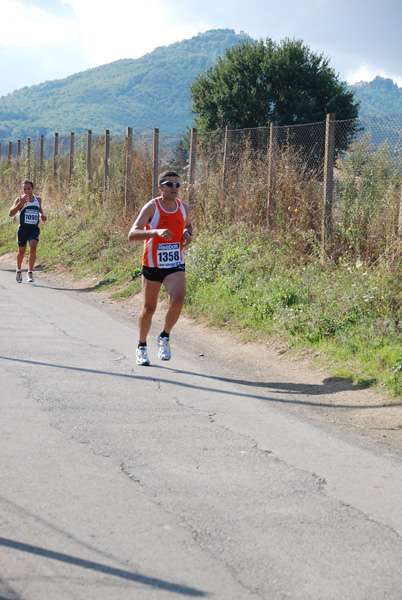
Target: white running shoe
30,278
18,276
164,348
142,356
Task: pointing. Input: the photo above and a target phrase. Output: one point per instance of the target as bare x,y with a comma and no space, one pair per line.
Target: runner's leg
32,254
175,285
20,256
150,292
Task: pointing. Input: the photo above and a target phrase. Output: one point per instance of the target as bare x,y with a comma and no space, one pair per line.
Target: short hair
165,174
27,182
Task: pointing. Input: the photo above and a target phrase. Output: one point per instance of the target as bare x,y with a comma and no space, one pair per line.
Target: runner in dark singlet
29,209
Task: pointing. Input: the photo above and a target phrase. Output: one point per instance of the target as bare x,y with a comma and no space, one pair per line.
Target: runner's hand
186,238
164,233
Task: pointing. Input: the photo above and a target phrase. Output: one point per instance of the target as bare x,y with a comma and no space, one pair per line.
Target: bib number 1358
168,255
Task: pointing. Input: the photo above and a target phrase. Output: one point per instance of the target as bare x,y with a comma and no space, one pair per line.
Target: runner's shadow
96,287
85,290
330,385
101,568
272,387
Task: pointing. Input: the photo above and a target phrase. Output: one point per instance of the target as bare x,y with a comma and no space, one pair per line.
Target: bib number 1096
31,217
168,255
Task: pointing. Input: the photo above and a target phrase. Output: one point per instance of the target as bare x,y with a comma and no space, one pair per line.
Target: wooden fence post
273,146
28,163
18,152
329,161
192,163
89,154
155,160
129,159
41,153
107,151
10,150
400,217
71,158
226,153
55,155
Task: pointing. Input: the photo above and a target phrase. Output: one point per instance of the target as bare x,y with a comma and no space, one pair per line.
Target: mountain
151,91
378,97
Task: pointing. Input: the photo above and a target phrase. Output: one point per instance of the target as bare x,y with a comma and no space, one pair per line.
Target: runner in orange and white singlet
158,252
165,228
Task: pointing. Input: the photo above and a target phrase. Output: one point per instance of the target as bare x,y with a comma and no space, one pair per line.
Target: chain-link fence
50,154
330,178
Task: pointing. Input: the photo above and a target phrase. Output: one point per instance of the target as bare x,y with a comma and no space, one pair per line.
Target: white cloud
367,73
51,39
126,28
29,26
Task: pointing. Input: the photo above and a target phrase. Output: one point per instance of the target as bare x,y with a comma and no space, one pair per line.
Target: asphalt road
178,480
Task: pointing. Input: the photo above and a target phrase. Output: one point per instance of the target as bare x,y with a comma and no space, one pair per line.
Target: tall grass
258,270
368,193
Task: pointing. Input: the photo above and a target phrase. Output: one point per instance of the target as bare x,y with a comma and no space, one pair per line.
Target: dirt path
366,415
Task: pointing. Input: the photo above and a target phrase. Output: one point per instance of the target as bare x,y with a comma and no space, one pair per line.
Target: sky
44,40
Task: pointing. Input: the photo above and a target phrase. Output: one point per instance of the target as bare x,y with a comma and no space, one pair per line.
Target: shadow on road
94,288
301,389
107,570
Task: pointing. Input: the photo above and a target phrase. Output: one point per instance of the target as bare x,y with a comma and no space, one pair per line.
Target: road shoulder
367,416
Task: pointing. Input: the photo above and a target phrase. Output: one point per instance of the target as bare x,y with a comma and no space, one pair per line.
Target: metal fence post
273,144
155,159
329,161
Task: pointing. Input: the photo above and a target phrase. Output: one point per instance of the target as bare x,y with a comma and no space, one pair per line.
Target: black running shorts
27,234
156,274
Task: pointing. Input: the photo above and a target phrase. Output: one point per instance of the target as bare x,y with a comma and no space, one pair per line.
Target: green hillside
151,91
378,97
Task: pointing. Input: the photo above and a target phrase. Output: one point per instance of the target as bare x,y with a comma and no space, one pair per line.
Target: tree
258,82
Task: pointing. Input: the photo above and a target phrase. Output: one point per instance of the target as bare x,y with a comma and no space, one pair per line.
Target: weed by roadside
349,314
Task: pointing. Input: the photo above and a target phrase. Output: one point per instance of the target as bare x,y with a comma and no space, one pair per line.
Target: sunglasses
170,184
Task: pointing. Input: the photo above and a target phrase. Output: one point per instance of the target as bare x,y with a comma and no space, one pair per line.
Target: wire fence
350,163
174,147
39,156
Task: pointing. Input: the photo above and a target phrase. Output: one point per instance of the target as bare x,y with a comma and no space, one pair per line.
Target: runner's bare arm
42,215
188,228
138,232
18,205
